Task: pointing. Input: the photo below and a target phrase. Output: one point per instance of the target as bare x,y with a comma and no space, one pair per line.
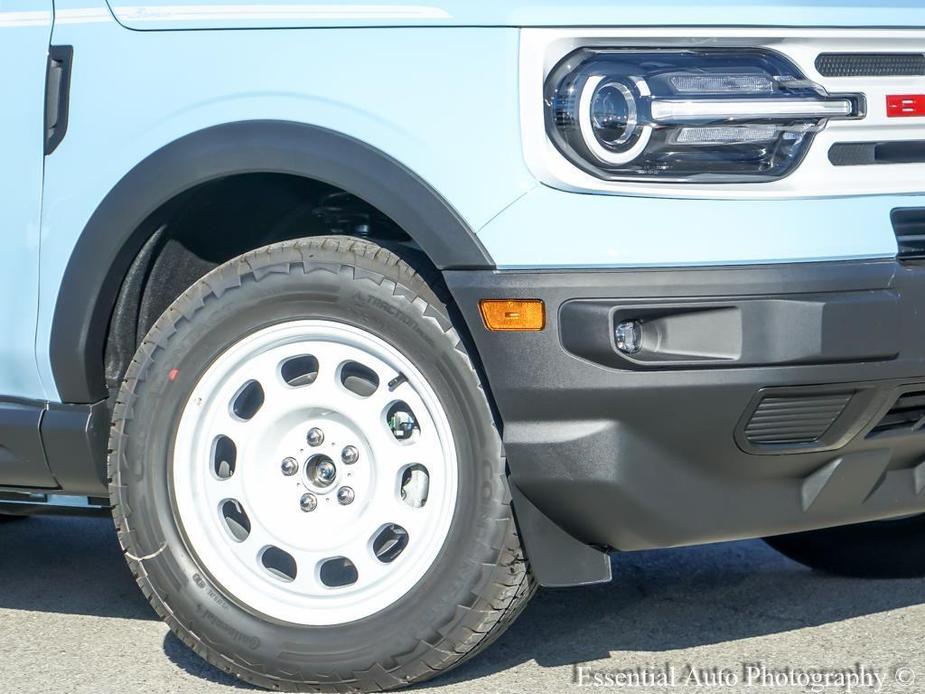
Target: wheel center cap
321,471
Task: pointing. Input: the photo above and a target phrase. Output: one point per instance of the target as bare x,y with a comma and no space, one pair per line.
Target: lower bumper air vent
906,416
909,225
795,420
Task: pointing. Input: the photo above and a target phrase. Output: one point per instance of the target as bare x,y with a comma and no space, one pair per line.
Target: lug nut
350,455
345,495
289,466
315,437
308,502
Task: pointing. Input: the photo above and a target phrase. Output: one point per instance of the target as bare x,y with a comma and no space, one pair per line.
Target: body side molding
48,447
115,232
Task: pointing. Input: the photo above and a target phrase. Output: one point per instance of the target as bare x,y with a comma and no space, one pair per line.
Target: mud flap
557,559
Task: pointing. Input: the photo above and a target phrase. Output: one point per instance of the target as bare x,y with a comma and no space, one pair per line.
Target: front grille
909,227
883,152
870,64
795,420
907,415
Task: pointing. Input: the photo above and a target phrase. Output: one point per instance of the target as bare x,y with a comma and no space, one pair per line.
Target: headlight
706,115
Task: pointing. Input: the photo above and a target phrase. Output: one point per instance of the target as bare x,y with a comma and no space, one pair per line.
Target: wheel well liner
117,230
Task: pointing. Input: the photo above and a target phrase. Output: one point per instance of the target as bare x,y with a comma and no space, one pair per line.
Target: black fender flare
116,231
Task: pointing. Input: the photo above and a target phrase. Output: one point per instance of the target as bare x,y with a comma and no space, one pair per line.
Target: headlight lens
613,114
704,115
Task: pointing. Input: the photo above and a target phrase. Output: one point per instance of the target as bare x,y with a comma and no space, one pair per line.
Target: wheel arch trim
116,232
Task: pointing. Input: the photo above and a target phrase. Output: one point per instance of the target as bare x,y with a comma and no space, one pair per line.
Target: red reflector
905,105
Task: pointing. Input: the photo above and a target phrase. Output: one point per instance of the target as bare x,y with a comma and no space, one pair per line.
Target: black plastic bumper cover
755,406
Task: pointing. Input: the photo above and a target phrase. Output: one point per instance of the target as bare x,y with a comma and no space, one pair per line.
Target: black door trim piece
22,457
49,446
75,439
115,232
57,95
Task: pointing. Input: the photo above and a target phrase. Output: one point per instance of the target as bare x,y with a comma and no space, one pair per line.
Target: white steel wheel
306,476
314,473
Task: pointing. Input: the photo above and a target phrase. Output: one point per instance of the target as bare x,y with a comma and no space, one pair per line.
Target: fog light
628,336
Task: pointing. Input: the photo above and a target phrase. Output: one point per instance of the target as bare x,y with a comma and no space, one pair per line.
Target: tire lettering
251,642
394,312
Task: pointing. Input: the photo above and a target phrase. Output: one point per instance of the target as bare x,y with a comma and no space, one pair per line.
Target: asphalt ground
724,618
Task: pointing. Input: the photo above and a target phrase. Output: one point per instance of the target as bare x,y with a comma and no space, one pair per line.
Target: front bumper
757,408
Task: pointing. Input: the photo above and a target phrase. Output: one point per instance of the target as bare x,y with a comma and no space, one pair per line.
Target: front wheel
883,549
306,477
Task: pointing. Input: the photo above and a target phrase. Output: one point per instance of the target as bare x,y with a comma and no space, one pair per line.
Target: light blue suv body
434,86
724,232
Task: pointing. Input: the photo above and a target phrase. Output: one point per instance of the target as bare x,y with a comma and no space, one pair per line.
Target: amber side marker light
513,314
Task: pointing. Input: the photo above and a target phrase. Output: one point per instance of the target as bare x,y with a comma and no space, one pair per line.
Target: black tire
479,582
884,549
